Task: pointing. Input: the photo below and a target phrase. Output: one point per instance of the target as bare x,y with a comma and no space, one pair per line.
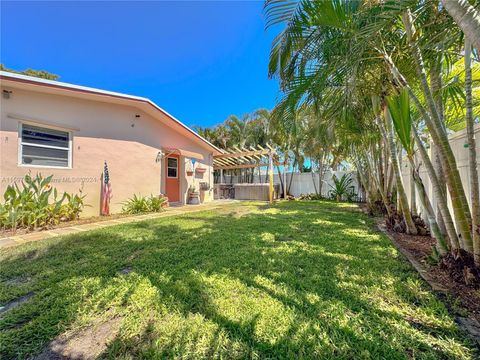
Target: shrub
142,204
36,204
311,197
342,188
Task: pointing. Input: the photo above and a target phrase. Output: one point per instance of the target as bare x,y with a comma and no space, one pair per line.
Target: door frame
176,157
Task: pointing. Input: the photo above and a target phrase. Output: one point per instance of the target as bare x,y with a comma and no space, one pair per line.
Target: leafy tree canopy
30,72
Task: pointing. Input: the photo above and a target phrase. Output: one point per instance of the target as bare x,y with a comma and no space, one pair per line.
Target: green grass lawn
297,280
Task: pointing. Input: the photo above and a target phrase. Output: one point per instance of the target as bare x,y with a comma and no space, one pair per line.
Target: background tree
30,72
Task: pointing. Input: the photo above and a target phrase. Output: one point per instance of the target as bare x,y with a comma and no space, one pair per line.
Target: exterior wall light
159,157
6,94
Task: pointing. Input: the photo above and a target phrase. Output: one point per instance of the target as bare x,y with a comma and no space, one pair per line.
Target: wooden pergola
243,158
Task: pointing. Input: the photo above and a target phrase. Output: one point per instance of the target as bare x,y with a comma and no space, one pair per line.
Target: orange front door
172,176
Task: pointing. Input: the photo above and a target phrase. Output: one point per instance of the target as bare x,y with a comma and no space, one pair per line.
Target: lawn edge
469,325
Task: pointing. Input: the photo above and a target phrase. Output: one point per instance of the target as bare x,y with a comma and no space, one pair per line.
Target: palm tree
439,136
467,17
399,107
239,129
312,57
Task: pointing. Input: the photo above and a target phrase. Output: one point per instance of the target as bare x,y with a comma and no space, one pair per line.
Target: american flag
106,191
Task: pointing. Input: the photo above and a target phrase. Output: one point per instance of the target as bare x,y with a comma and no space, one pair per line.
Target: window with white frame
172,167
42,146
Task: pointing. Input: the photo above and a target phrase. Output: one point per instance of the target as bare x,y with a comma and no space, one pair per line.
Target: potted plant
193,195
190,166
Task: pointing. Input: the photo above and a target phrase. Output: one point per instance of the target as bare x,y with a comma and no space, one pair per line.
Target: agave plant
341,188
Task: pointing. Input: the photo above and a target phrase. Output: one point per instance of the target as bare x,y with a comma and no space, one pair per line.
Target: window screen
44,146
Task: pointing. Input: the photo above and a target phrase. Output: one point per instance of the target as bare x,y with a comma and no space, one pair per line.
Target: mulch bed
420,247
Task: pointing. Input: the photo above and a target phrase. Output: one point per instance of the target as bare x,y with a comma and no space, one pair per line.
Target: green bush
36,204
142,204
342,188
311,197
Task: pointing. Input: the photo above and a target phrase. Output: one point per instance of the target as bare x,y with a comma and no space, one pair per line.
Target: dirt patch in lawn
85,344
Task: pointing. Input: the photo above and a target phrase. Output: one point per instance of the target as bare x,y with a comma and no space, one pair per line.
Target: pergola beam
243,166
242,154
247,159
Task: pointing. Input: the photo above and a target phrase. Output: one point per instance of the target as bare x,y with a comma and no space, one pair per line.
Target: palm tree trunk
466,17
384,196
413,197
291,176
437,192
281,178
402,196
321,172
438,132
390,182
437,166
439,136
472,154
436,85
313,180
441,244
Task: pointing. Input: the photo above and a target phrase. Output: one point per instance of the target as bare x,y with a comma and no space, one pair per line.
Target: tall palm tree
312,57
239,129
399,107
439,136
467,17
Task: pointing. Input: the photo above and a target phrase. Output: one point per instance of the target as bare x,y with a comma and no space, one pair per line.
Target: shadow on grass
294,280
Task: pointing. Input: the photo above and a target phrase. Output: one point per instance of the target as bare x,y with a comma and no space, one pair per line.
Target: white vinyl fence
458,143
302,183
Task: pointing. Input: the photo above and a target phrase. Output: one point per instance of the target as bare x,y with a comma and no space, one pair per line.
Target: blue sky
201,61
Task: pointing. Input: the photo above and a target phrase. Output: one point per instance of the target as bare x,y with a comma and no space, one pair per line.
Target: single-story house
70,131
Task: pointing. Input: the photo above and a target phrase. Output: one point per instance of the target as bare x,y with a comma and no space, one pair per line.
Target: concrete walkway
15,240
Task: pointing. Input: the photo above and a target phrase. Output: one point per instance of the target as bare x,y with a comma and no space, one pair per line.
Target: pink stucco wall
102,131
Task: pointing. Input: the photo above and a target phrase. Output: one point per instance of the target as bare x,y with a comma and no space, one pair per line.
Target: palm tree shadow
176,259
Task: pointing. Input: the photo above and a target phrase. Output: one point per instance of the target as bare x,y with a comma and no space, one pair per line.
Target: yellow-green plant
36,204
142,204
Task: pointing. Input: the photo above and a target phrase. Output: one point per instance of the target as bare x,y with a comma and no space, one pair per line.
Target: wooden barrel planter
193,198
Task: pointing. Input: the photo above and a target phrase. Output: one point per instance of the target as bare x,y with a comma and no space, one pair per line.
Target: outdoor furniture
255,191
224,191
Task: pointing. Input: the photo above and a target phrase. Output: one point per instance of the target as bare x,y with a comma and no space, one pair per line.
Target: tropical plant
399,46
310,197
143,204
37,204
341,187
399,107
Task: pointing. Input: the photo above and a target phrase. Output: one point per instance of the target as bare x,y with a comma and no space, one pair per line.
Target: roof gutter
84,89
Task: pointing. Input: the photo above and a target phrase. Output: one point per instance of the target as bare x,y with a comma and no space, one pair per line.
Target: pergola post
270,167
221,176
